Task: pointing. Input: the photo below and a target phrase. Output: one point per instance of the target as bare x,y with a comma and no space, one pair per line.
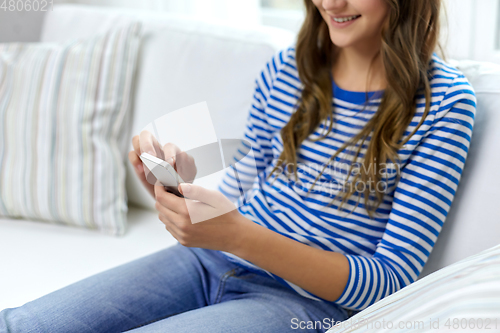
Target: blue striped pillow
64,115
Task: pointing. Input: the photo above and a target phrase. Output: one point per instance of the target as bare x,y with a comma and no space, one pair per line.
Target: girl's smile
363,18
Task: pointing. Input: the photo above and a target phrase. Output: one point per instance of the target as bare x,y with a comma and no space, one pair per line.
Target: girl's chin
341,43
341,40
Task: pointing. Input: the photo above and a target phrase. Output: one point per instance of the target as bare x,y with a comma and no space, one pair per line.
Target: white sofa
183,62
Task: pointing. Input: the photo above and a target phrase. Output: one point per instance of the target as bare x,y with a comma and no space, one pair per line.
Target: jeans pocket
243,274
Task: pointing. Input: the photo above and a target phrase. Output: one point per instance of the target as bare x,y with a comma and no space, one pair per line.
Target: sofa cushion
64,110
472,223
464,296
43,258
182,62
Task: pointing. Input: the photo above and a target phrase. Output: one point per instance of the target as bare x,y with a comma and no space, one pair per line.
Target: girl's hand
151,144
221,225
147,143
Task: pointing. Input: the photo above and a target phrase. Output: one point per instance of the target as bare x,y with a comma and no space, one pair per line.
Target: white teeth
345,19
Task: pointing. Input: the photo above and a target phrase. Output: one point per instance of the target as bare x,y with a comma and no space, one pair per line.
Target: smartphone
164,173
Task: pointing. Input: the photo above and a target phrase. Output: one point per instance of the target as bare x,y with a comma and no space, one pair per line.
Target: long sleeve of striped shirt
421,202
388,252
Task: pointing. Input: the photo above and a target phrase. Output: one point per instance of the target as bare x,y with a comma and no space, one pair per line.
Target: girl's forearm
322,273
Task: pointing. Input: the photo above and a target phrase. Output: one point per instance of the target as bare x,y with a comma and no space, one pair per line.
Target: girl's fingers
170,215
185,167
169,218
136,143
169,226
139,170
149,144
136,163
196,192
170,201
170,151
146,143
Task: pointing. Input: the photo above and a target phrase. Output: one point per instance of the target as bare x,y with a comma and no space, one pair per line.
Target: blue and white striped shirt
385,253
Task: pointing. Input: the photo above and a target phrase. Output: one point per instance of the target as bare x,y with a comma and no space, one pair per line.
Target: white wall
22,26
458,22
473,31
486,37
232,11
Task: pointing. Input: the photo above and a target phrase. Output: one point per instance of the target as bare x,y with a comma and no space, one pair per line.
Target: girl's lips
341,25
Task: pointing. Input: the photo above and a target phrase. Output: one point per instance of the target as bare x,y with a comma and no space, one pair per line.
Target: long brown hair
409,37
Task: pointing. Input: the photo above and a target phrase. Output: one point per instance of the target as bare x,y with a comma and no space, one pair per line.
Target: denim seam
222,283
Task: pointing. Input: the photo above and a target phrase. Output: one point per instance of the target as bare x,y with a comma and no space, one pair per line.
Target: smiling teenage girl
323,229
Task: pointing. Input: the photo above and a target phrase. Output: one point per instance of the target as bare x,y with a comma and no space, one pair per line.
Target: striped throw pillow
64,127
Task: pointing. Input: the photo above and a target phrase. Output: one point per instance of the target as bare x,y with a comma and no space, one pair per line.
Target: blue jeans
178,289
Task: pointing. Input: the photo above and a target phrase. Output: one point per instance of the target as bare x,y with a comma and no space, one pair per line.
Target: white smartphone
164,173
